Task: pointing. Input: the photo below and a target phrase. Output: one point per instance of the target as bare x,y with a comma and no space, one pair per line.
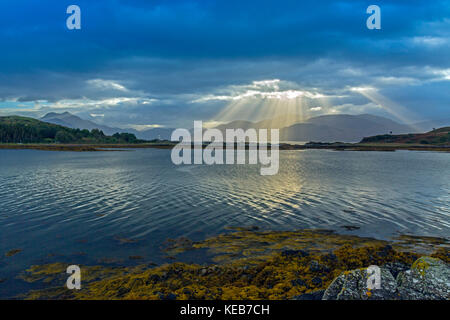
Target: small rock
154,278
294,253
330,257
122,291
315,295
316,281
385,251
245,277
315,266
12,252
187,291
135,257
350,228
298,282
170,296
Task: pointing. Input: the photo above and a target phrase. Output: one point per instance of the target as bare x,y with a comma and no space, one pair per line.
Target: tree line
27,130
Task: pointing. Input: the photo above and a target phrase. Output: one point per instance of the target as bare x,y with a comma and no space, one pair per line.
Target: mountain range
326,128
72,121
332,128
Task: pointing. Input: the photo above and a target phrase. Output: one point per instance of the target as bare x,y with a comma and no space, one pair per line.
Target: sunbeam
274,108
398,111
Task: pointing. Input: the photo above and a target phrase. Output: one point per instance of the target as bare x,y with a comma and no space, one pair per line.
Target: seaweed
248,265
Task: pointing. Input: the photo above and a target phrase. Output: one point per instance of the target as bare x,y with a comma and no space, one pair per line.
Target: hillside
72,121
69,120
327,128
343,127
15,129
436,137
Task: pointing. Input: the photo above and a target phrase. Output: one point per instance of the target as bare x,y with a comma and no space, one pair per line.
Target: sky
144,63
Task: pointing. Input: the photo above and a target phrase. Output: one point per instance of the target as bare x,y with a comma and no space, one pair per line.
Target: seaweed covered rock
353,285
428,278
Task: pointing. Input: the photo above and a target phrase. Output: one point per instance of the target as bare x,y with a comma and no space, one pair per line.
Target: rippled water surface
106,206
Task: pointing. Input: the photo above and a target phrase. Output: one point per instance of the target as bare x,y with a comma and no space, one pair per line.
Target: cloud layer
166,63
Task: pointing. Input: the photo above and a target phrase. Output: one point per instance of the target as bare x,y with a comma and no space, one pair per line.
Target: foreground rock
428,279
352,285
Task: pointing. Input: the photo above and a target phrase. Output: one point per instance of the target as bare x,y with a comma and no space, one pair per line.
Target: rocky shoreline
268,265
428,279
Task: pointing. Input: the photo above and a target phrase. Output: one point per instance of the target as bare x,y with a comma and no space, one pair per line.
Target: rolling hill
436,137
16,129
69,120
72,121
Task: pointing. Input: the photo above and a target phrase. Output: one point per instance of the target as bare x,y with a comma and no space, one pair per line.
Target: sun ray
396,110
280,110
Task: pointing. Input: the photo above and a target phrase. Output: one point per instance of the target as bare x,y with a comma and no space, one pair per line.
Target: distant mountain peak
55,114
50,115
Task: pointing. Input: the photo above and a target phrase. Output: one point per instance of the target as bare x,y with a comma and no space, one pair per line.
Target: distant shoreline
282,146
369,147
82,147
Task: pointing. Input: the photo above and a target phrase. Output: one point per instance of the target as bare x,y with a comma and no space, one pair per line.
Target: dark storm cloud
173,52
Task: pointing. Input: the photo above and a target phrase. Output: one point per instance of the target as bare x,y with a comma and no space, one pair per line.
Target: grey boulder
428,279
352,285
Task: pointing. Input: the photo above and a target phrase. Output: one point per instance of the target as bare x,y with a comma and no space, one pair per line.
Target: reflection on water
78,206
